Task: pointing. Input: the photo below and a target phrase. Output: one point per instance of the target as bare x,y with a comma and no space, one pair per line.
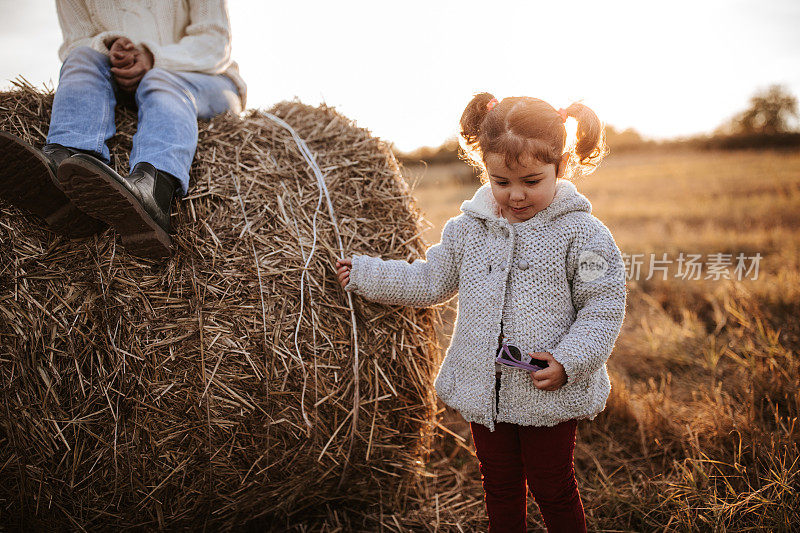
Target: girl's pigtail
590,147
472,118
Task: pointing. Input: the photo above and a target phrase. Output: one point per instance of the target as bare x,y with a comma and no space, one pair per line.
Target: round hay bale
142,395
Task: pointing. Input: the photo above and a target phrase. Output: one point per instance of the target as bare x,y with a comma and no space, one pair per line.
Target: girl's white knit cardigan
564,275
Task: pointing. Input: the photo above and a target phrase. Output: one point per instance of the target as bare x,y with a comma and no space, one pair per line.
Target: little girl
536,274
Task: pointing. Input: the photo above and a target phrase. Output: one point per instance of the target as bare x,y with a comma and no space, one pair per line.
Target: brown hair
522,126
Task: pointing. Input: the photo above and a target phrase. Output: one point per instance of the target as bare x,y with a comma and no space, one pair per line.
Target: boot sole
27,182
93,191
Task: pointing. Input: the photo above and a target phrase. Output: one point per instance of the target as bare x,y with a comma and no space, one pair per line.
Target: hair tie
491,103
563,113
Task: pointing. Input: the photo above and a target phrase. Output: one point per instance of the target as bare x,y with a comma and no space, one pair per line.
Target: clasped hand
129,63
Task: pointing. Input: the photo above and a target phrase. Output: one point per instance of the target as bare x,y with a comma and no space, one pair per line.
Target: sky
406,70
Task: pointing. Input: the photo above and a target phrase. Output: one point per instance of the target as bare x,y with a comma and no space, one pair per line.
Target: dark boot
138,206
28,181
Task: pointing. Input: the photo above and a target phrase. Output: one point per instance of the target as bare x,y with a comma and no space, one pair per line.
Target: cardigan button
503,265
522,264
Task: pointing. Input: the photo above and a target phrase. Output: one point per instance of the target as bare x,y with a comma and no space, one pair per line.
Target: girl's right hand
343,267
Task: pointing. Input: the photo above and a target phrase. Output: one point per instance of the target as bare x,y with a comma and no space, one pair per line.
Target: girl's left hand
551,378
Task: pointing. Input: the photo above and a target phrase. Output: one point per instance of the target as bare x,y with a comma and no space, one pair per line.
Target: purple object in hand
510,355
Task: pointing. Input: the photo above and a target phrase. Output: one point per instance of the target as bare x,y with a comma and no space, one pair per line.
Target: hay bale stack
142,395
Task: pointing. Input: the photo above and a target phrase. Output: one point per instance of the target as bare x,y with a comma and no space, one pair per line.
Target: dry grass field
701,430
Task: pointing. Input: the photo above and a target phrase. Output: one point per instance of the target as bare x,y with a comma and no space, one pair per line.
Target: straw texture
143,395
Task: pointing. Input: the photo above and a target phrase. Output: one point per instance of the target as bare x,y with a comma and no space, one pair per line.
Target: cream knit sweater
565,279
189,36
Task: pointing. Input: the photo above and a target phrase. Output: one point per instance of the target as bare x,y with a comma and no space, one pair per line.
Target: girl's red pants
511,455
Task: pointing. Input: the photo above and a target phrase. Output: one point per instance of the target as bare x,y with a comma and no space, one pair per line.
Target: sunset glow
406,70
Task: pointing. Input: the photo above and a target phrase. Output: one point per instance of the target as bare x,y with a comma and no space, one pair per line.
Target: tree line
769,121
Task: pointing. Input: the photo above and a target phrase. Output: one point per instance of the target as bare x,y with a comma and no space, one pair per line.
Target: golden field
701,430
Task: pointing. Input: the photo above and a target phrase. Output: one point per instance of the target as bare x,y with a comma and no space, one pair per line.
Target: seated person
172,58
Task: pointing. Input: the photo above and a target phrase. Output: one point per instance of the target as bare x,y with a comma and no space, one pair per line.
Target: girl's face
525,189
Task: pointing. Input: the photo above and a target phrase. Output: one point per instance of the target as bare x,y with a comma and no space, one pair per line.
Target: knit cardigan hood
567,199
559,276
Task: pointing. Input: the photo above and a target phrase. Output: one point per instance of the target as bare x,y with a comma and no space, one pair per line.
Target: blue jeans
169,105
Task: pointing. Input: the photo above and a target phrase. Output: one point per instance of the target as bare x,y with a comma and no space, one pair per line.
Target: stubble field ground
700,431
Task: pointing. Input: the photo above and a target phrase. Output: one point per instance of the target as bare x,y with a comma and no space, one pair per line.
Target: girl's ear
562,165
